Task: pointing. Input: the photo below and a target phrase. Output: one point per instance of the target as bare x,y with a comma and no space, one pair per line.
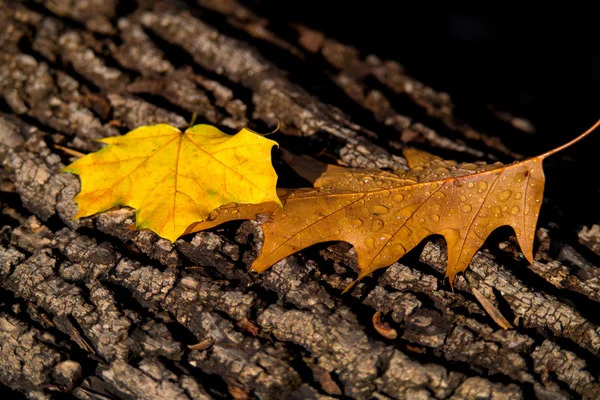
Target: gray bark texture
92,309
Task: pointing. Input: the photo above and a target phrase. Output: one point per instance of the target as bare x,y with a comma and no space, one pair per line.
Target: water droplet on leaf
398,249
469,166
357,223
442,171
503,196
376,225
398,197
379,209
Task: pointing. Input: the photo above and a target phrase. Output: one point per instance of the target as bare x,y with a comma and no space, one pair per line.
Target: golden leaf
174,179
384,215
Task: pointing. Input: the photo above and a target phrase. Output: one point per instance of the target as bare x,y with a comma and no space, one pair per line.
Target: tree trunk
96,310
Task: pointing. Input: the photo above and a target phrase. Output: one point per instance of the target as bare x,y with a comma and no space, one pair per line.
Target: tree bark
93,309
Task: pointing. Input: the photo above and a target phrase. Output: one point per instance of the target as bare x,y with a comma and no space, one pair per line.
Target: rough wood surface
93,309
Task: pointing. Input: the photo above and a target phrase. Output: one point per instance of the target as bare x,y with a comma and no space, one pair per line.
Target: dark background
543,65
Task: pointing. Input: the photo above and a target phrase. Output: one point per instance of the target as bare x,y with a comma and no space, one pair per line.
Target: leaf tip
78,215
450,277
349,286
361,275
258,267
528,255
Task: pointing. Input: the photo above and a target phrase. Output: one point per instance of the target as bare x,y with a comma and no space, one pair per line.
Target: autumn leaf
174,179
384,215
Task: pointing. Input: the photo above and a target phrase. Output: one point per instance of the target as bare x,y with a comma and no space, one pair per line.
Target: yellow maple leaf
174,179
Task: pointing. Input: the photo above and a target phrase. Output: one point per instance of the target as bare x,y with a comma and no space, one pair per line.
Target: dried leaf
201,346
384,215
174,179
492,310
383,328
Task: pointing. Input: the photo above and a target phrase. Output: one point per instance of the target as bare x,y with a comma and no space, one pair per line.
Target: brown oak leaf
384,215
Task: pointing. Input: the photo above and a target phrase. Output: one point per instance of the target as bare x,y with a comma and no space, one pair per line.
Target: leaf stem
193,120
572,142
69,151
